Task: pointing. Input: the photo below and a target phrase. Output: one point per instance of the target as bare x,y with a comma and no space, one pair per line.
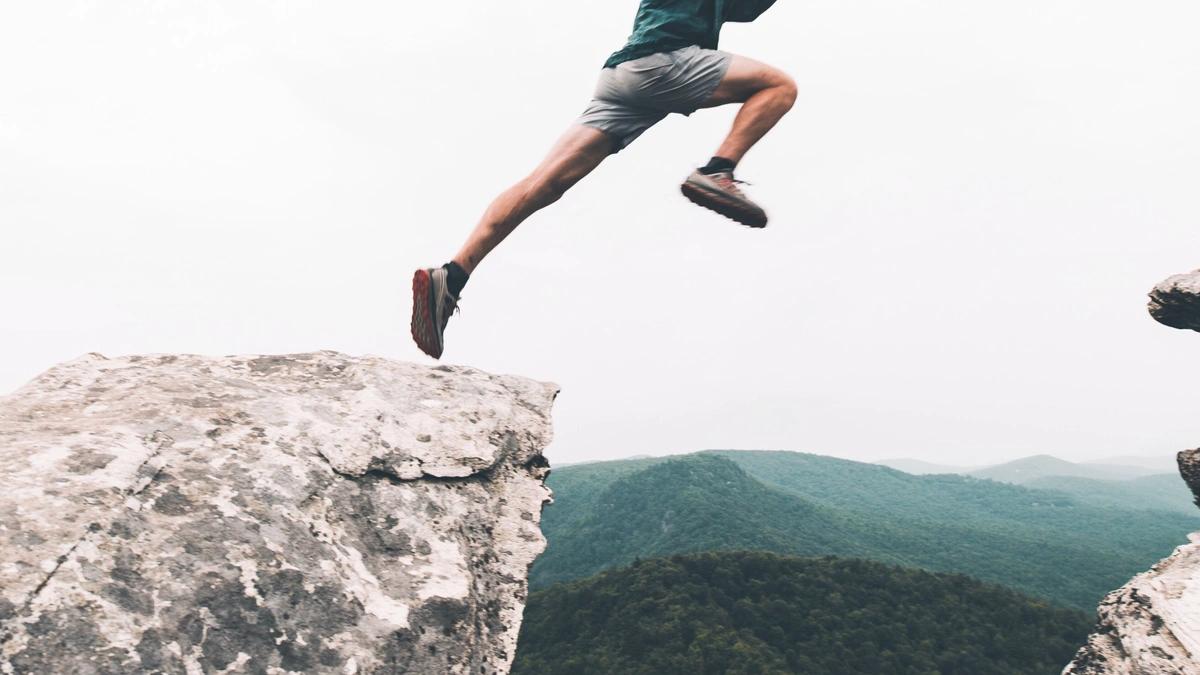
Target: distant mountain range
1038,466
1131,482
1156,463
1043,466
1055,544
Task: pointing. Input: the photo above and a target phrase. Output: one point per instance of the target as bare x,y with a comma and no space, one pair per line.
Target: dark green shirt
666,25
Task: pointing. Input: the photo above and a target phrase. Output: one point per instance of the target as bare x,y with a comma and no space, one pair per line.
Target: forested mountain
1164,492
1129,482
697,503
1049,544
737,613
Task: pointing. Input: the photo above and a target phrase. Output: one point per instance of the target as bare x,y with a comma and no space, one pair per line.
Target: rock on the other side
313,513
1189,468
1151,625
1176,301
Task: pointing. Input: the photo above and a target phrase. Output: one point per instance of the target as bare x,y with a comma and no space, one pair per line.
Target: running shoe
433,303
720,192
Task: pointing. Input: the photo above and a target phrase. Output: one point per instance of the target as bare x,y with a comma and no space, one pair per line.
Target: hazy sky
969,203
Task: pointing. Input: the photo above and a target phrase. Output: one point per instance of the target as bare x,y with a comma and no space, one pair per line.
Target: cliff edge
1151,625
312,513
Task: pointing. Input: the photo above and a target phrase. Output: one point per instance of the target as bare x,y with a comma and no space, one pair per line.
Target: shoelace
733,183
453,308
729,175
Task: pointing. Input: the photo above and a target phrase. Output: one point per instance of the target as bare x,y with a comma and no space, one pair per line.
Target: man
669,65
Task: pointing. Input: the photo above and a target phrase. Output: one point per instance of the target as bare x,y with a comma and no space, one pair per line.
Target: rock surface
1176,301
1151,626
313,513
1189,468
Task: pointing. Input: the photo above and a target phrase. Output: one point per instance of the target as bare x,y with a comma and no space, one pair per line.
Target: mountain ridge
1027,539
1039,466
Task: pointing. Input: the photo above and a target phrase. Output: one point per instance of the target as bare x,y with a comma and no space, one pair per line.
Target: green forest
1047,543
738,613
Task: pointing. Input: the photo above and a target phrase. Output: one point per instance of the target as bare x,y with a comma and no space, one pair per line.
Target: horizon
1106,461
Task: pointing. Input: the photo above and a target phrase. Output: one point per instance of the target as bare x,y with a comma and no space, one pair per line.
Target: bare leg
766,93
580,150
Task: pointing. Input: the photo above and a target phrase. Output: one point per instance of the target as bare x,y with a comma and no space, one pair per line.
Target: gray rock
1189,468
313,513
1150,626
1176,301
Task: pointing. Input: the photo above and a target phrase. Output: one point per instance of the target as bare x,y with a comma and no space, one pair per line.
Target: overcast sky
968,205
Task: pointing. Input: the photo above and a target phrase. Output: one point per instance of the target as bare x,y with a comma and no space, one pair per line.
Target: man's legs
436,290
580,150
766,94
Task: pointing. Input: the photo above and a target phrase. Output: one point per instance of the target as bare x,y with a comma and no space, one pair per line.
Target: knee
787,91
545,190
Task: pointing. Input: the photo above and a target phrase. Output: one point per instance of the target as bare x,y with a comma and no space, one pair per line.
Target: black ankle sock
456,277
717,165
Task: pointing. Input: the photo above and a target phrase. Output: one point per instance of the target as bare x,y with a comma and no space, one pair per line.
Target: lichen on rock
305,513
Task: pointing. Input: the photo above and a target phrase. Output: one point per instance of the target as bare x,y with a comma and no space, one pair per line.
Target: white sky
968,205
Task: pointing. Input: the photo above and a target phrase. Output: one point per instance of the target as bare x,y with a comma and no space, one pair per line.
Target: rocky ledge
1176,301
1151,626
313,513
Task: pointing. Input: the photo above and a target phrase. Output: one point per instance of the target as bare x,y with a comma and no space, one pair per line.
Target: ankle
456,277
718,165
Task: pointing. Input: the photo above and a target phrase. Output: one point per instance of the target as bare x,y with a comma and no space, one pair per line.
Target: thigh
620,121
576,153
744,78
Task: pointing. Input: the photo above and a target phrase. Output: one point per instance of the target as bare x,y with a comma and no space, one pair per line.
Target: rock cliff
1151,626
313,513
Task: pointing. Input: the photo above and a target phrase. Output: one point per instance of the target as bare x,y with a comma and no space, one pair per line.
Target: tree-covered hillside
1048,544
735,613
1161,492
699,503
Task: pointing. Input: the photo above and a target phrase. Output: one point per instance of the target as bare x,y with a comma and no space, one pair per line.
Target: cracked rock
311,513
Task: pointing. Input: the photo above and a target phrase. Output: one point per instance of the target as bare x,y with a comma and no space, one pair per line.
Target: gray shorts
635,95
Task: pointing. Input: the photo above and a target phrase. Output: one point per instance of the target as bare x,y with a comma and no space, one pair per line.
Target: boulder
311,513
1176,301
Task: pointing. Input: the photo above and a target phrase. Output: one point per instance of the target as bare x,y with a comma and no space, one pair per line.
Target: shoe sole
724,205
422,317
